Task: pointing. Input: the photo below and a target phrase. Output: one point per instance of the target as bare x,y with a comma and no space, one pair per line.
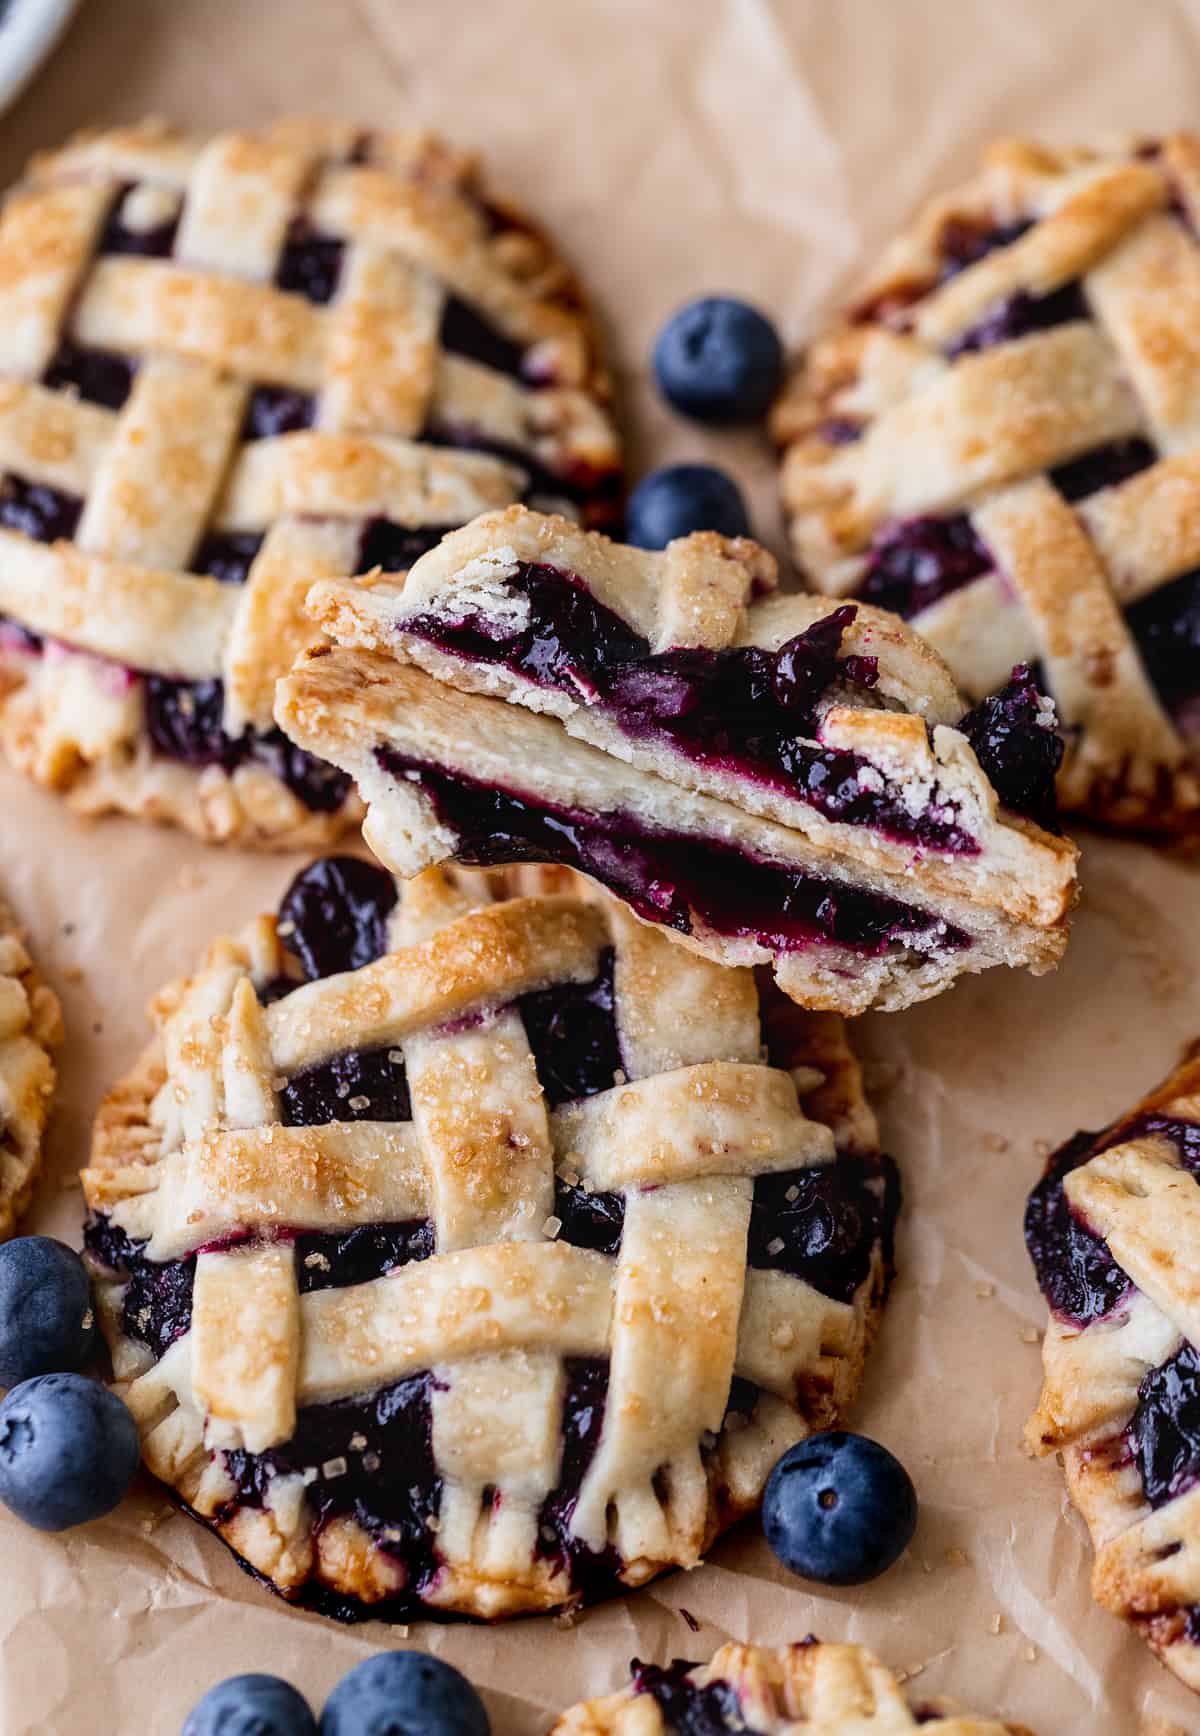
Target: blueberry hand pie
770,778
30,1025
475,1254
814,1687
1002,443
228,368
1113,1230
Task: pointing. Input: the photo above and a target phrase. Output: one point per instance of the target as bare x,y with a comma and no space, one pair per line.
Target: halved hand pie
830,1690
780,782
30,1026
1114,1232
231,367
461,1254
1002,443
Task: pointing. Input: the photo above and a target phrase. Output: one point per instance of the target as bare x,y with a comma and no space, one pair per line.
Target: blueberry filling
38,511
964,241
466,332
745,710
584,1403
668,877
275,410
363,1085
394,547
334,916
184,720
153,243
1103,467
572,1032
689,1710
1018,746
98,376
1020,314
1075,1271
915,562
227,555
1166,626
311,263
387,1481
1164,1434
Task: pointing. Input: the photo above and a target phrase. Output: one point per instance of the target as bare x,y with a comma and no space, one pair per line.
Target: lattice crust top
813,1687
30,1025
1003,442
229,367
1114,1230
481,1355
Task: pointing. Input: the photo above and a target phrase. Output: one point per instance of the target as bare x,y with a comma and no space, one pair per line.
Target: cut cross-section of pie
1113,1230
474,1253
773,779
832,1690
231,366
30,1026
1001,441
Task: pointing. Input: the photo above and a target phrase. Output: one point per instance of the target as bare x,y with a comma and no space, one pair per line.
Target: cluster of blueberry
718,361
392,1693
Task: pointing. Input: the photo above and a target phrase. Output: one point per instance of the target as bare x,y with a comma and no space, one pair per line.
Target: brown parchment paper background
768,147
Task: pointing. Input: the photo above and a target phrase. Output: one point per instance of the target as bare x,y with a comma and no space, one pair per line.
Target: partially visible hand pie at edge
840,1690
480,1254
30,1026
1113,1230
1001,441
230,367
773,779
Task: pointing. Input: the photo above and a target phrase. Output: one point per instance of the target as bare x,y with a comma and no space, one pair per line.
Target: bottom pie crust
339,1568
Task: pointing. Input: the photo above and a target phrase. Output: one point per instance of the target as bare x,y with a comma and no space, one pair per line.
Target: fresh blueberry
683,498
719,360
839,1509
46,1319
404,1694
68,1451
251,1706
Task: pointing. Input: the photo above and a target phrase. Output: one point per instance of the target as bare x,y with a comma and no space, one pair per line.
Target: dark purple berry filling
228,555
823,1224
915,562
184,720
334,916
364,1085
99,376
1078,1276
572,1030
328,1259
389,1484
154,243
395,547
1103,467
743,710
311,263
1019,315
275,410
1164,1435
667,876
583,1418
466,332
14,637
1075,1271
1166,626
38,511
688,1710
1018,746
